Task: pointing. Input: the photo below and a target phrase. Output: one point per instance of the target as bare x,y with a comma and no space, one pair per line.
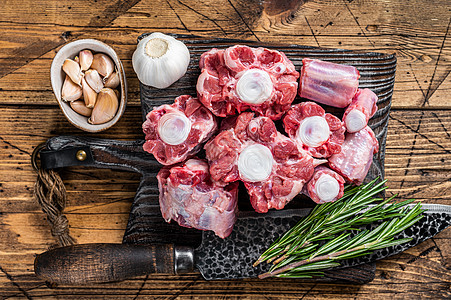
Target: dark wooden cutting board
145,225
377,72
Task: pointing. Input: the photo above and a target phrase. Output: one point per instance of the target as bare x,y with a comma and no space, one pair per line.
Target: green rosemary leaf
405,226
351,212
332,245
390,244
349,244
402,203
309,248
304,275
317,266
386,229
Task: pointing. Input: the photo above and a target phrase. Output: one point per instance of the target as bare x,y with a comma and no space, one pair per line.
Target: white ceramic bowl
57,77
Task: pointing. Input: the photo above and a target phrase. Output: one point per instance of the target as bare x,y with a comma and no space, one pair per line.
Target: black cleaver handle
62,151
95,263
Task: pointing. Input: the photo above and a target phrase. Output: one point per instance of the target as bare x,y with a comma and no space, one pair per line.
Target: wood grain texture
418,160
422,44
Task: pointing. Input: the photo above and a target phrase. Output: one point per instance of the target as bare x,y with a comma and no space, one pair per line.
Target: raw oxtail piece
325,185
189,197
356,156
328,83
240,77
176,132
272,166
361,109
316,132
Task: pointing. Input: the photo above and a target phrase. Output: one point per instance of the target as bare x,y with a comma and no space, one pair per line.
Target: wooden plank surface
418,154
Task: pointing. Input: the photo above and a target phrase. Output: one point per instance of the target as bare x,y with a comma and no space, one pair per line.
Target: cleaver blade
232,258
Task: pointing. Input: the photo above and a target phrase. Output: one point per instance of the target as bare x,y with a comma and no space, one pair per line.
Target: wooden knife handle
94,263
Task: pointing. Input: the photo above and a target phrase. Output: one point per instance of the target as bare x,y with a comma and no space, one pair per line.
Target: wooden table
418,154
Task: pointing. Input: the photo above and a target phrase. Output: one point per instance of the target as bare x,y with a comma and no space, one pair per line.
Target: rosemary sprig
322,238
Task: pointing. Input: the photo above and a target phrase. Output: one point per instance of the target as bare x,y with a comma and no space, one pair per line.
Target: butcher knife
215,258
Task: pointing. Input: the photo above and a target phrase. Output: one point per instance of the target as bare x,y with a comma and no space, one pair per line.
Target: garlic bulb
160,60
314,131
255,163
254,86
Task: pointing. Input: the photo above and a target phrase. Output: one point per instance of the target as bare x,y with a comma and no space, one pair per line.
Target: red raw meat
241,77
189,197
202,126
356,156
316,132
325,185
361,109
272,166
328,83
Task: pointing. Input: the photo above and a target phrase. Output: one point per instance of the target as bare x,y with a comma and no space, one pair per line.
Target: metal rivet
81,155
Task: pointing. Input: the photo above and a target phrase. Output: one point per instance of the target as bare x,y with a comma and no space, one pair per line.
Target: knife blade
215,258
232,258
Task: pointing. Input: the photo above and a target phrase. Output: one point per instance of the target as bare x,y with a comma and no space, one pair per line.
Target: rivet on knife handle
94,263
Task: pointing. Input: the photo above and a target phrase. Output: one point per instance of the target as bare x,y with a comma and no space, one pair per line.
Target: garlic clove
327,188
103,64
112,81
160,60
89,95
77,60
314,131
86,58
255,163
70,90
80,107
105,108
254,86
174,128
72,68
94,80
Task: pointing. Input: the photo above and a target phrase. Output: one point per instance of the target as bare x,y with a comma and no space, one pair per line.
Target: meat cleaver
153,246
